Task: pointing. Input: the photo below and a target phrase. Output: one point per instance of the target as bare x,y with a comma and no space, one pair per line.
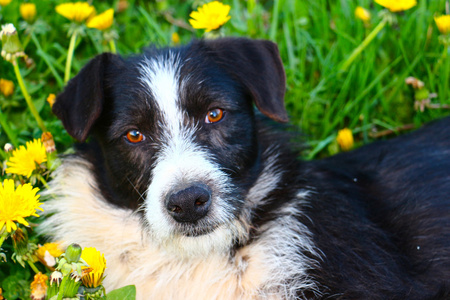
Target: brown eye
214,115
134,136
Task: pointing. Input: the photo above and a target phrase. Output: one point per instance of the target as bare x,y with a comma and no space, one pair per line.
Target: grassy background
314,38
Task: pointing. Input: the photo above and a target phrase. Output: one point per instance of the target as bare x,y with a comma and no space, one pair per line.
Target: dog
186,183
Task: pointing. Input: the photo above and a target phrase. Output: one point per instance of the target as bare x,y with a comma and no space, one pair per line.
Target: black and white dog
191,194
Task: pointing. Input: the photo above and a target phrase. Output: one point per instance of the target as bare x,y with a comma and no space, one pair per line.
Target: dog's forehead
159,76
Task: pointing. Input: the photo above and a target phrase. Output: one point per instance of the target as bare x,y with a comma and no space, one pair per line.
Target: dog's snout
190,204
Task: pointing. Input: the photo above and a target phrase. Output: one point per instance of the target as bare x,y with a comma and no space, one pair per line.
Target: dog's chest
159,275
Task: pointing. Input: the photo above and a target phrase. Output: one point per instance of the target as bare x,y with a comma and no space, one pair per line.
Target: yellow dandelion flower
102,21
345,139
48,253
175,38
17,204
397,5
443,23
210,16
6,87
28,11
51,99
39,286
54,249
5,2
78,11
93,275
362,14
23,160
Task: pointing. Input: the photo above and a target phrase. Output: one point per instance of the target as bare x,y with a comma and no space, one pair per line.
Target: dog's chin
194,230
186,240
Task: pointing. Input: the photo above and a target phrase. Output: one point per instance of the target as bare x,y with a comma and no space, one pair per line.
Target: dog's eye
134,136
214,115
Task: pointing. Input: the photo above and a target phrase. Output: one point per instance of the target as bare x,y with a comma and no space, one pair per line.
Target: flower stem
62,287
44,182
73,40
33,266
27,97
2,238
441,59
112,46
364,44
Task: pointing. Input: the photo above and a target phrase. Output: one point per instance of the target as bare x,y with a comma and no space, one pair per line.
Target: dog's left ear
257,64
81,102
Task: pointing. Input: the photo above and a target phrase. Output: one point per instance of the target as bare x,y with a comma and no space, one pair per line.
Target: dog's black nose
190,204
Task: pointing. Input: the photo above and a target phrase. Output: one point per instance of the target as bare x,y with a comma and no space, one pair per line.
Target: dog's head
176,133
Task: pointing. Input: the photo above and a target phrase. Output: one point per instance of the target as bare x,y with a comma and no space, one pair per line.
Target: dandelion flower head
102,21
175,38
397,5
362,14
210,16
28,11
51,99
54,249
6,87
5,2
39,286
75,11
17,204
345,139
97,265
24,159
443,23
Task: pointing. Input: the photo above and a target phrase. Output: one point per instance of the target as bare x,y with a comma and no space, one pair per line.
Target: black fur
380,215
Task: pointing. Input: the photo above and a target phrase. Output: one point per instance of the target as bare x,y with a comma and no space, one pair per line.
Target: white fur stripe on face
161,77
182,162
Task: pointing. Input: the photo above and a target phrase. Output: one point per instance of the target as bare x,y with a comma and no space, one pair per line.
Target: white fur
76,212
181,162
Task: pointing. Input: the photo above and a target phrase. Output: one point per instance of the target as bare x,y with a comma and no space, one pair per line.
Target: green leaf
124,293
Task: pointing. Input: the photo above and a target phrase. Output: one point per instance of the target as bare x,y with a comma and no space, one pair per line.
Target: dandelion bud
29,62
122,5
414,82
11,45
20,241
8,147
73,253
48,142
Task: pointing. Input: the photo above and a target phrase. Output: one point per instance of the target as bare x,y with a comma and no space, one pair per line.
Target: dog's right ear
81,102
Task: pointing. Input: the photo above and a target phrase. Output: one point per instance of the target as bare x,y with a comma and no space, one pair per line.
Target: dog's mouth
195,230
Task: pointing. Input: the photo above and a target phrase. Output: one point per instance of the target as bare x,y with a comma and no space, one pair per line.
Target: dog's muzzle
190,204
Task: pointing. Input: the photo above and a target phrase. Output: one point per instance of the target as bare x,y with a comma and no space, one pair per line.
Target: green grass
314,38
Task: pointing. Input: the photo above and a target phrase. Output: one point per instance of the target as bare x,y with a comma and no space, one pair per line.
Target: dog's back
385,208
